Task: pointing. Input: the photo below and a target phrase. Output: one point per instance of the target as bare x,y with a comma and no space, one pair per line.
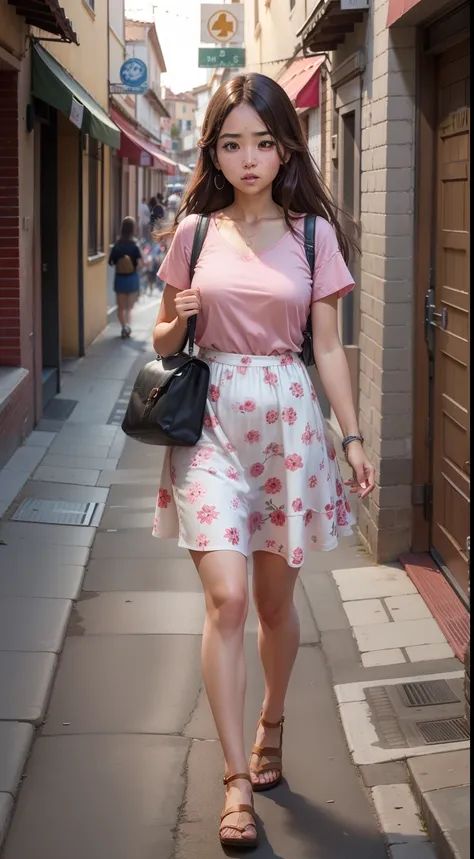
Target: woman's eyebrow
255,134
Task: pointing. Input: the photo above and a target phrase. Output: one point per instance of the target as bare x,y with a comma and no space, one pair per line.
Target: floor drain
427,693
49,512
443,731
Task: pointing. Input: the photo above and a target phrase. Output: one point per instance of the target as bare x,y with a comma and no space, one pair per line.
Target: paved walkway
126,763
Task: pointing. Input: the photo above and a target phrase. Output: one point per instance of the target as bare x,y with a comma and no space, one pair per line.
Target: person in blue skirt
126,256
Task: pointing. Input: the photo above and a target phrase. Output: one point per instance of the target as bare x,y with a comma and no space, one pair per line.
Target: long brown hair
298,189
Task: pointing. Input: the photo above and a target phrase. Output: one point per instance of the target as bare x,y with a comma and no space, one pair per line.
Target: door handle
467,467
443,316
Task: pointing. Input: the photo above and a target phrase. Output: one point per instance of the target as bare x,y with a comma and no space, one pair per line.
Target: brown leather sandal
264,753
238,809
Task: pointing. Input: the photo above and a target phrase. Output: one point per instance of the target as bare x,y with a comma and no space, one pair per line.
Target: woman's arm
170,327
334,374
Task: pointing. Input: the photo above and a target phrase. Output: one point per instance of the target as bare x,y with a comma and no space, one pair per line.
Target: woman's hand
363,480
187,303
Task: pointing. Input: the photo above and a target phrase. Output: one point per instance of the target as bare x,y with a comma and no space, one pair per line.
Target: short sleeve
113,255
137,253
175,269
331,273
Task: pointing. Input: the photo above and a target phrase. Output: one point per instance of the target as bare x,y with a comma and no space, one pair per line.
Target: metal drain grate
49,512
427,693
443,731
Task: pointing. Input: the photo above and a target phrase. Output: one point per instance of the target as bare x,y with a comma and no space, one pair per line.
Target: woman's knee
227,605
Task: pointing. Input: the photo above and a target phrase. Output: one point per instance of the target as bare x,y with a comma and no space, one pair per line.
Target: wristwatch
347,440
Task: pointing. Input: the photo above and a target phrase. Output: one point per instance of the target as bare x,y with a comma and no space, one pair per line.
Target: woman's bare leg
224,578
122,308
131,299
278,639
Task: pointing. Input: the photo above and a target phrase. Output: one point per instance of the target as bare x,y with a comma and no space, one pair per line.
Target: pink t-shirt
256,304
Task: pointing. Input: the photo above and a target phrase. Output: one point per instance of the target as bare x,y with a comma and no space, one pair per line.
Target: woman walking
263,479
126,256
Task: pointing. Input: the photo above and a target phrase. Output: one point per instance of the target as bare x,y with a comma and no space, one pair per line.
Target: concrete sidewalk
126,762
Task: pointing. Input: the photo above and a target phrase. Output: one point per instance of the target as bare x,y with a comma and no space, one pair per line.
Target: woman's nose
249,159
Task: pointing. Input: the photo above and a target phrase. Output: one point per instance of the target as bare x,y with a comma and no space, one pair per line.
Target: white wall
146,113
275,38
314,134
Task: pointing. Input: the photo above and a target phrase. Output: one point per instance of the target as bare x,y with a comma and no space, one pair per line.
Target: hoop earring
219,187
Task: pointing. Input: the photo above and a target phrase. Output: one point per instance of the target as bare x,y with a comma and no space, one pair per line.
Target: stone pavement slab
29,624
447,814
75,460
99,797
136,543
67,446
422,652
144,574
56,535
55,474
15,742
40,439
412,607
398,634
130,613
20,579
63,492
123,684
140,476
373,582
365,612
6,808
40,553
434,772
25,684
398,814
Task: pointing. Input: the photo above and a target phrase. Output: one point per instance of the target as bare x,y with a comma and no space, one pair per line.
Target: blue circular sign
133,72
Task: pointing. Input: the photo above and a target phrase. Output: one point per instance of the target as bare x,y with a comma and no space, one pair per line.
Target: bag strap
309,237
200,234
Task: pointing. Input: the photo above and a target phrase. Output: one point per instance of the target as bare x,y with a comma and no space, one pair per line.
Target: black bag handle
200,234
309,237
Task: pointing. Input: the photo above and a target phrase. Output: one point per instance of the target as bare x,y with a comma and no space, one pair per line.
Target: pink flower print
348,506
297,390
242,371
230,447
289,415
255,522
164,498
232,535
321,465
341,514
202,541
313,481
229,375
286,360
235,503
329,508
195,492
278,517
293,462
246,360
249,406
297,505
270,544
212,471
308,435
270,378
214,393
332,453
252,436
272,416
338,488
207,514
272,486
298,556
203,454
307,517
273,449
257,469
314,396
211,422
232,473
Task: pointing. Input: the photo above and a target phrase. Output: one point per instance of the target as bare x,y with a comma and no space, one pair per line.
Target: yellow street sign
222,23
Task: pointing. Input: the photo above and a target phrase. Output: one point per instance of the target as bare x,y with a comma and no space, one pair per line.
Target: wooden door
451,405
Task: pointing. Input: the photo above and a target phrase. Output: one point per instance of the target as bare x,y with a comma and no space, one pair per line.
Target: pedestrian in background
126,257
157,212
264,479
144,220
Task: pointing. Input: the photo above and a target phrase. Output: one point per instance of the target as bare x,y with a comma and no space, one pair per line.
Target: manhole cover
55,512
443,731
427,693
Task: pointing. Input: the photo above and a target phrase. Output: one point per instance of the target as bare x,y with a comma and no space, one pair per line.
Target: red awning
138,150
301,81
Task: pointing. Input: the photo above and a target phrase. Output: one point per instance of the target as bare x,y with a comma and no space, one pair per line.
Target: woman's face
246,152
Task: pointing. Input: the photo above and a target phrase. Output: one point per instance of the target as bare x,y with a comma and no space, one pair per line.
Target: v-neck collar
250,254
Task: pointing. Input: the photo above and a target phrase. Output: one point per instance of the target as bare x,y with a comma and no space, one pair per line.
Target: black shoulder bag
307,355
168,400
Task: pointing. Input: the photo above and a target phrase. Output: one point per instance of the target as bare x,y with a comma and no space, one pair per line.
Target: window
184,108
95,156
188,124
90,4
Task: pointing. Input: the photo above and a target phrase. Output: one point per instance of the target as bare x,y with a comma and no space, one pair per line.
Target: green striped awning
54,85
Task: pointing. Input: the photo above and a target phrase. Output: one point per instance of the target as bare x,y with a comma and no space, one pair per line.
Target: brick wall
9,222
16,419
386,337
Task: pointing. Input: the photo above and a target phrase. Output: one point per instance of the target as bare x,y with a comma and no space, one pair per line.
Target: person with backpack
157,212
263,481
126,256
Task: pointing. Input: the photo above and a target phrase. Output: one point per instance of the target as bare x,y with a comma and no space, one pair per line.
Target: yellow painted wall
68,161
95,271
12,29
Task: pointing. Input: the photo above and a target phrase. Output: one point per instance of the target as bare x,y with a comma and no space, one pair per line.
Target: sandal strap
228,778
266,751
241,808
271,724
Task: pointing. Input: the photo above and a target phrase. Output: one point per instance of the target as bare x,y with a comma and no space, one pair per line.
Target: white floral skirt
264,476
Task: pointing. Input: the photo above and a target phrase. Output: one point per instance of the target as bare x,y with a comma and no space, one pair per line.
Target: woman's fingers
187,303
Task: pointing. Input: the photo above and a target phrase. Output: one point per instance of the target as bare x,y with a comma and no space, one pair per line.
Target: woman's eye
267,144
229,146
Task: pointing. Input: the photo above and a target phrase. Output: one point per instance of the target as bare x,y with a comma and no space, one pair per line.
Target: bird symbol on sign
224,26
